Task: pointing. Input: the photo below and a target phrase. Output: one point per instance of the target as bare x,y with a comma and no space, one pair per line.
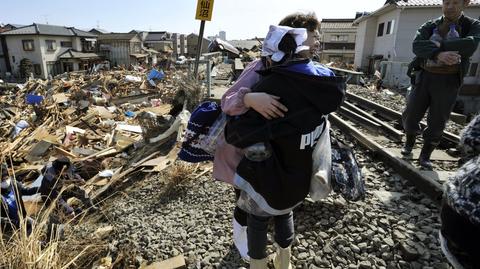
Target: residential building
99,31
387,33
337,40
122,48
192,41
160,41
44,45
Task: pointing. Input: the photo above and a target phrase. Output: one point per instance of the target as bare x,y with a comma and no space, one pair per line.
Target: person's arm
25,190
232,101
240,98
466,46
422,46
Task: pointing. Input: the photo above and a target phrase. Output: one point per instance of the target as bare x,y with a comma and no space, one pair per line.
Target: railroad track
378,128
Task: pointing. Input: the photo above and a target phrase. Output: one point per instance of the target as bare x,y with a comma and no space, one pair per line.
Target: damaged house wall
118,48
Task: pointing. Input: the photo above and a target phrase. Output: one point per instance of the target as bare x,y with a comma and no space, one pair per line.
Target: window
28,45
65,44
339,38
51,45
390,26
381,27
13,59
37,69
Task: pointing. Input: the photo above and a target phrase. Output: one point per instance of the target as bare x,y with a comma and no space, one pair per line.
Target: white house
388,33
51,49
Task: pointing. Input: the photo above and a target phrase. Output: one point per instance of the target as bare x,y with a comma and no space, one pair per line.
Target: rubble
108,124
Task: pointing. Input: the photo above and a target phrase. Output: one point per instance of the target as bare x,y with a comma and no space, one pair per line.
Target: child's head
283,42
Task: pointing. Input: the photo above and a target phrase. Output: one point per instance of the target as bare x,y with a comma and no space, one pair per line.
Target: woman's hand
265,104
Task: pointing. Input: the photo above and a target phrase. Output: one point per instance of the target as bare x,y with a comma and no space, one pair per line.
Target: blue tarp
155,74
32,99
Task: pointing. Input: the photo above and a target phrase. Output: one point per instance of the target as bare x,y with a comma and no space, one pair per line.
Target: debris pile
101,122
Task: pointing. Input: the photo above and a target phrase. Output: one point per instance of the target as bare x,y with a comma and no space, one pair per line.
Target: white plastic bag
210,141
320,184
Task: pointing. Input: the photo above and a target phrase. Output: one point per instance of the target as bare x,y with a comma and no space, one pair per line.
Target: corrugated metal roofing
422,3
47,29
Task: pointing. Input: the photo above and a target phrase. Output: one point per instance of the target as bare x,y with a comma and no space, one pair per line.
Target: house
44,45
99,31
192,41
337,40
122,48
160,41
387,33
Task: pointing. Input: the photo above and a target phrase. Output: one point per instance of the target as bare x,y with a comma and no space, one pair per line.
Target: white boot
282,258
258,264
240,239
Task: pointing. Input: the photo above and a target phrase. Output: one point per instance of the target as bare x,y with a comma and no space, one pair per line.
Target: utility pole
204,13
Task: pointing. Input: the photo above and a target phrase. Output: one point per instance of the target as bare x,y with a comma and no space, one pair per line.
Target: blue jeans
257,233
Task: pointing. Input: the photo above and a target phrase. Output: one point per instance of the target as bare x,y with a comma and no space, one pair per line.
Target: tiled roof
423,3
393,4
337,24
47,29
117,36
157,36
73,54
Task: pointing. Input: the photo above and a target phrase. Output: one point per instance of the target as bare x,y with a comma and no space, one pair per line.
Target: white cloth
275,35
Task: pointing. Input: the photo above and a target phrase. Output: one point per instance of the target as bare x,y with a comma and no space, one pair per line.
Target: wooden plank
177,262
66,153
60,98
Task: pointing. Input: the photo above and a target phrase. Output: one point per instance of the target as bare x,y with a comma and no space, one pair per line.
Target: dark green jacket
466,45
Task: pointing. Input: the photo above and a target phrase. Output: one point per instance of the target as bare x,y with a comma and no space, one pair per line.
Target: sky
241,19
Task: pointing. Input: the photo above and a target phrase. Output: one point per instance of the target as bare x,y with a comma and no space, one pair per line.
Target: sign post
204,13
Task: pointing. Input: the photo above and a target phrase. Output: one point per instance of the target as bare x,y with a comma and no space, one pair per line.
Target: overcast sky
241,19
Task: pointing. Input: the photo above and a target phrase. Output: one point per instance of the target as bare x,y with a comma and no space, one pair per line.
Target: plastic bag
209,142
320,184
347,178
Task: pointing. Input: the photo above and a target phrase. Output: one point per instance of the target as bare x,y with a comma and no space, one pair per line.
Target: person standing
442,48
275,172
239,99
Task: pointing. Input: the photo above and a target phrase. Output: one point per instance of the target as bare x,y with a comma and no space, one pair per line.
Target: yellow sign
204,10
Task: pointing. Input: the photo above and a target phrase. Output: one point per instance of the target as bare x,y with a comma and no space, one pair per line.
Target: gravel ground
395,101
194,219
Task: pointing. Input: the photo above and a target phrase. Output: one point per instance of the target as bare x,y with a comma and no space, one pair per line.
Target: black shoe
425,163
425,154
409,143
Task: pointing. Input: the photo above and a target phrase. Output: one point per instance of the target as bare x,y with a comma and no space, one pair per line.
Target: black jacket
466,45
283,180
